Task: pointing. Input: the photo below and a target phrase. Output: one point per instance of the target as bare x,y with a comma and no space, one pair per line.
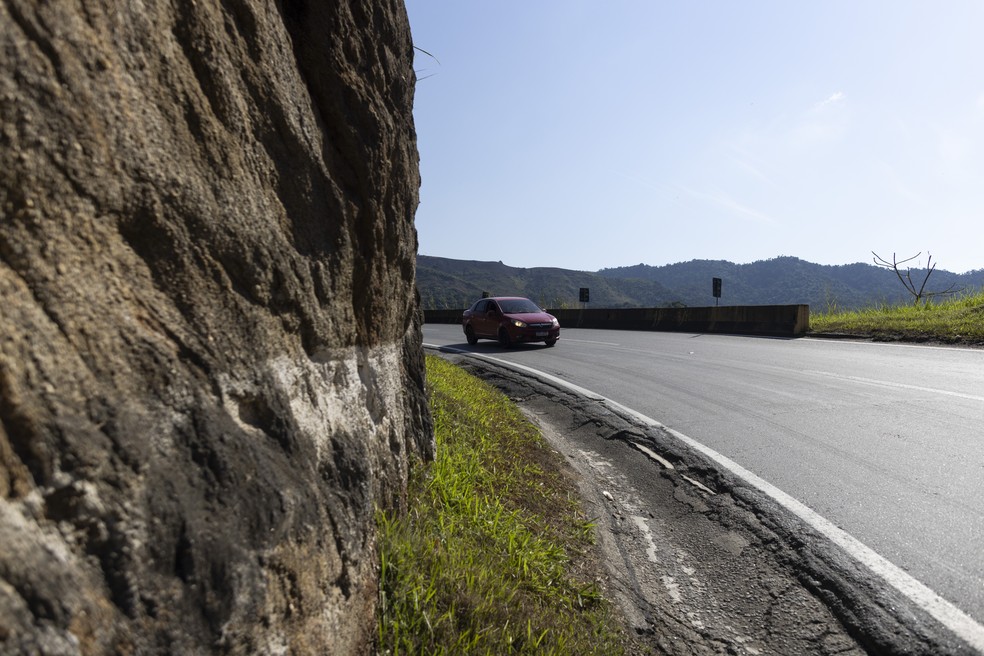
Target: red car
509,319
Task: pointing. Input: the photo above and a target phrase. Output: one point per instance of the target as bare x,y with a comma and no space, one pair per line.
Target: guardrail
769,320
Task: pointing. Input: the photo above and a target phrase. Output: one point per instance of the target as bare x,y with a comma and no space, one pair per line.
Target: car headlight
555,322
518,323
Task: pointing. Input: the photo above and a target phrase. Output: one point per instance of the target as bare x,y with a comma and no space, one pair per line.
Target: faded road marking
884,383
647,535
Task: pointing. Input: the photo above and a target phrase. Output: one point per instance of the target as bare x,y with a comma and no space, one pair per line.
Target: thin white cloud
980,101
744,162
836,97
637,180
822,123
724,201
729,203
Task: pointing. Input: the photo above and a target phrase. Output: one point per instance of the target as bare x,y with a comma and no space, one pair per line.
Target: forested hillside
450,284
785,280
447,284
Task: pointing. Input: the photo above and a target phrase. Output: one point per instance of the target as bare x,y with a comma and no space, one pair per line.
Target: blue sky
586,135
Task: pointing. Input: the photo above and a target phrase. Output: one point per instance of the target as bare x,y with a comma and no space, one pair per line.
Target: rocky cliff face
210,365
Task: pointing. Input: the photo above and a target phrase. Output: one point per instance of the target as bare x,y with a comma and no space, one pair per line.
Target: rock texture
210,363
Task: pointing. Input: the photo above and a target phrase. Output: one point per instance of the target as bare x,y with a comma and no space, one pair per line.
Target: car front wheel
470,335
550,342
504,340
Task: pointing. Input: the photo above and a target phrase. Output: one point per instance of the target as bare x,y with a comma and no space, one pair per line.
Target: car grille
540,325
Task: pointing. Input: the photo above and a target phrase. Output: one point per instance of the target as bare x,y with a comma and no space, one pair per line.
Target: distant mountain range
452,284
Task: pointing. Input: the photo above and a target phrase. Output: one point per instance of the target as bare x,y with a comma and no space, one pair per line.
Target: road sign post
716,288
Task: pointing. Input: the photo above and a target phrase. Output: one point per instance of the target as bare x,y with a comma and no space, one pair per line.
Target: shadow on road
493,347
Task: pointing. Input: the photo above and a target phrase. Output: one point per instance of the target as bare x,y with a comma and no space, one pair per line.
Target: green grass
494,556
959,319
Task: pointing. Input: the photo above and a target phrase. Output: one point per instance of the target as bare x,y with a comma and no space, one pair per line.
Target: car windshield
518,306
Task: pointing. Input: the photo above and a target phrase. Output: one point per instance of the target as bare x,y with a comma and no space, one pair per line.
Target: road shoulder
699,562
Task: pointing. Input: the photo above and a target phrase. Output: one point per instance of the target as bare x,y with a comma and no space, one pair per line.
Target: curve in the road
939,608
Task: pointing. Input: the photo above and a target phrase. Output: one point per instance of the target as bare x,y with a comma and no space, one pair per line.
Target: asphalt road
885,441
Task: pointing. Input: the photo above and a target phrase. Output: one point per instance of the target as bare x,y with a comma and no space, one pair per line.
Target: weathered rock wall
210,364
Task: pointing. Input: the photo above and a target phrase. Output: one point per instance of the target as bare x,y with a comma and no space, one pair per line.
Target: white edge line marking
862,342
957,621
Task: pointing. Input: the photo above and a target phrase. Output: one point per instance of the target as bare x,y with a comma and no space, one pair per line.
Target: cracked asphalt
701,563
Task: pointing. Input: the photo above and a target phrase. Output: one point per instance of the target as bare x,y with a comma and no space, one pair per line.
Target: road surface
885,441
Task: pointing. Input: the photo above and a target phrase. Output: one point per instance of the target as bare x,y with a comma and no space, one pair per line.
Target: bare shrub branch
921,294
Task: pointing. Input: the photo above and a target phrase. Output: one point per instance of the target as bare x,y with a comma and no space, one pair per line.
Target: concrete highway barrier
769,320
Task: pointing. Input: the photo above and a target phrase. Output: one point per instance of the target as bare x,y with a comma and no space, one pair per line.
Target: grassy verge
957,320
495,556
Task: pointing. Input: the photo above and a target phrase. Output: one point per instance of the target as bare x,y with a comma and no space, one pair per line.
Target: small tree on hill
919,294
